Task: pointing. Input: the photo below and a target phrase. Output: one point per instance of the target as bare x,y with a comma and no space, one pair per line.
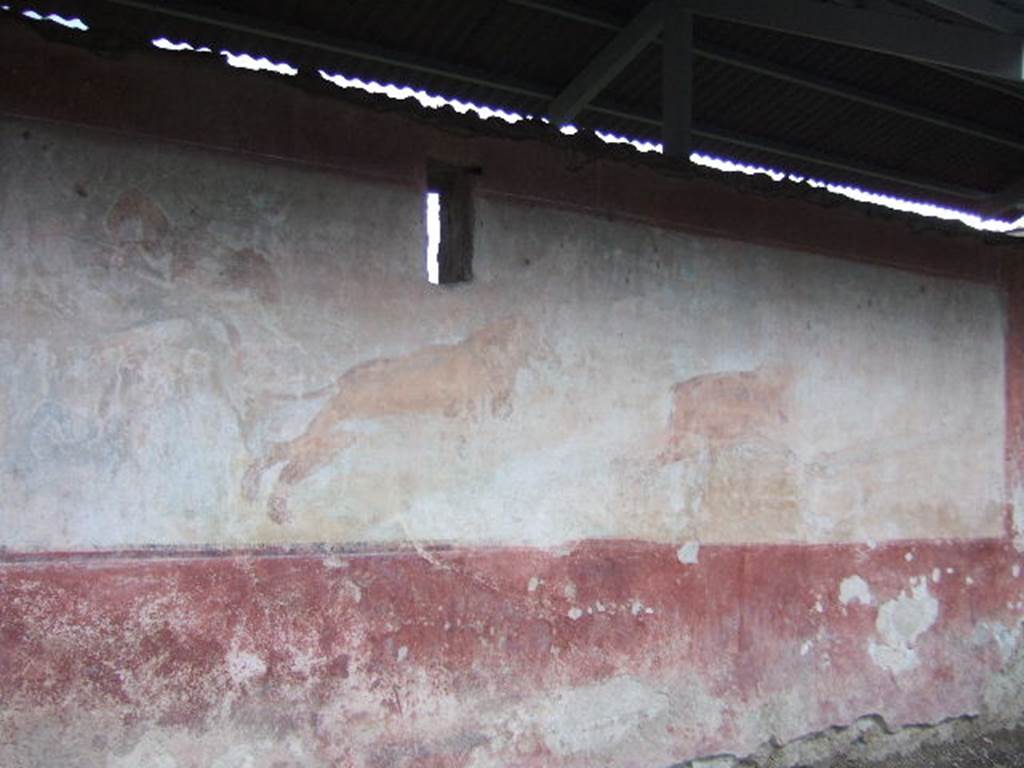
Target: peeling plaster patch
818,606
594,718
1015,571
332,562
936,575
1005,639
353,590
303,662
909,557
855,589
150,750
221,747
403,653
244,666
574,613
900,622
636,607
689,553
718,761
969,580
806,647
569,591
1018,518
532,585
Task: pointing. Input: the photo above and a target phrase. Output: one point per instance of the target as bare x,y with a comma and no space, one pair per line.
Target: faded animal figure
447,379
139,231
723,408
727,430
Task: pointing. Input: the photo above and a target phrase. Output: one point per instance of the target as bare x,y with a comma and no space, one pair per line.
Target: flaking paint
191,658
172,315
261,362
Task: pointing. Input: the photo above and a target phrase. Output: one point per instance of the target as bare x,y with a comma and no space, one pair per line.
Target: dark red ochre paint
125,643
1015,393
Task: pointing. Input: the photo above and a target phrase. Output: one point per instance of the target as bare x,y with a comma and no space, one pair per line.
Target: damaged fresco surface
256,357
268,498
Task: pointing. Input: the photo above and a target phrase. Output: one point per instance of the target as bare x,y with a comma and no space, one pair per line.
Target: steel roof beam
677,81
609,63
1013,90
851,93
305,38
989,53
805,79
570,10
986,13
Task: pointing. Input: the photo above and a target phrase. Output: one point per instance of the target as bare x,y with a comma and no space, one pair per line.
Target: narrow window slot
449,224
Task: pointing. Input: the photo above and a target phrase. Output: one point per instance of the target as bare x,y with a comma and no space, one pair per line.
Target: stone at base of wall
871,743
993,738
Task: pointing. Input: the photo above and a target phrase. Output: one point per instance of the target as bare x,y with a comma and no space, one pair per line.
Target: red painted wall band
316,646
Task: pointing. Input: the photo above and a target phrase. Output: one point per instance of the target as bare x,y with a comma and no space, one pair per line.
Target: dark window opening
449,216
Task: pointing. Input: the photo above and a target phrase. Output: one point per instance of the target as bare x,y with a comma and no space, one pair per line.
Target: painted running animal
451,380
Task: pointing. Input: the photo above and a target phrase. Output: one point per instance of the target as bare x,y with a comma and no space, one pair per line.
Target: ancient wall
643,490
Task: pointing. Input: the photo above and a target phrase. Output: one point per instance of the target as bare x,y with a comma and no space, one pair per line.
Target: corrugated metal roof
509,42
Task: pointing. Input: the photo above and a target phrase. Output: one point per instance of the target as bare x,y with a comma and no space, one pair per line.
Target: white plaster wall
168,316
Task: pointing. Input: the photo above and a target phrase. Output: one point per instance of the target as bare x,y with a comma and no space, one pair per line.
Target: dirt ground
1001,749
958,743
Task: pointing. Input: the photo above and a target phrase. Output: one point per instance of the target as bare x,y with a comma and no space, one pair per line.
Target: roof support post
808,79
614,58
677,81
